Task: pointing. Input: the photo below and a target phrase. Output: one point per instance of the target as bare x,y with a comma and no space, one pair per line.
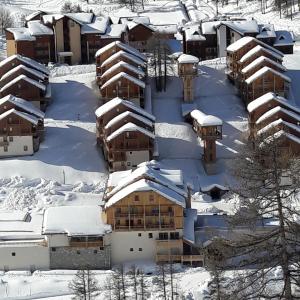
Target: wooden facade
123,88
118,151
264,83
139,36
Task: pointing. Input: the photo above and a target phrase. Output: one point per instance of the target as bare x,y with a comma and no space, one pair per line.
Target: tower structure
209,129
188,70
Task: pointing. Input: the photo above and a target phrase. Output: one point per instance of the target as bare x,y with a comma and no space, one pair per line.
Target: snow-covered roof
266,31
280,134
33,15
209,27
258,48
30,118
120,75
74,221
261,59
123,54
127,66
37,28
146,172
276,110
138,19
26,60
23,104
133,24
242,26
110,105
253,105
24,77
34,72
190,217
205,120
98,26
48,19
81,17
146,185
212,186
115,30
275,123
188,59
284,38
21,34
122,46
165,28
130,127
263,71
193,33
126,114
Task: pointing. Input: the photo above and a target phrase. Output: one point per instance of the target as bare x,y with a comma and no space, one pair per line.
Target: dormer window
281,38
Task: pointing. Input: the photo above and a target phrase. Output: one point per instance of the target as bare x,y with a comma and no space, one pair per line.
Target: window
11,139
174,235
131,249
78,252
128,163
5,148
53,249
5,139
150,235
101,248
19,86
140,249
136,198
5,107
9,120
10,129
151,198
139,234
163,235
95,251
25,148
13,254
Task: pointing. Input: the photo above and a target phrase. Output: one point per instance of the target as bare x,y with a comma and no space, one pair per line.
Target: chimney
189,196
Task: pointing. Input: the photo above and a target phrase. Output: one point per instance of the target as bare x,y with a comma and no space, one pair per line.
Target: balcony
86,244
168,243
180,258
146,226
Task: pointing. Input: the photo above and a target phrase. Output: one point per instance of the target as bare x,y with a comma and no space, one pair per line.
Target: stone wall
79,258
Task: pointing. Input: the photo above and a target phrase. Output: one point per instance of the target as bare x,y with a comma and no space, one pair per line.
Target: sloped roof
130,127
24,77
21,34
37,28
242,26
147,185
120,75
280,134
275,123
30,118
115,30
284,38
23,104
253,105
98,26
148,173
205,120
33,15
29,70
124,47
188,59
126,114
266,31
122,53
48,19
263,71
258,48
26,60
110,105
261,59
126,66
193,33
81,17
276,110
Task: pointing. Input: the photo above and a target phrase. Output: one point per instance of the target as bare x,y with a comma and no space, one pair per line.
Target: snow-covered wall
20,145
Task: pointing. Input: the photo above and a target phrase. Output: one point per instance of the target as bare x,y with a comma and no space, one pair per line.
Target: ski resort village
149,149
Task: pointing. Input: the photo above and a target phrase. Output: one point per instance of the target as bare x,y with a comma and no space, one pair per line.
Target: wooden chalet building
146,212
284,41
240,49
263,81
18,133
128,146
124,86
23,70
10,102
122,67
29,89
257,64
115,107
13,61
114,52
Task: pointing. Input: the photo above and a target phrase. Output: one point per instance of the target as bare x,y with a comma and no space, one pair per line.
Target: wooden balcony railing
179,258
168,243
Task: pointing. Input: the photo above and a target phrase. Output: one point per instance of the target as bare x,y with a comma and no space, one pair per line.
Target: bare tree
5,19
143,292
84,285
109,287
269,180
133,277
162,281
68,7
120,283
